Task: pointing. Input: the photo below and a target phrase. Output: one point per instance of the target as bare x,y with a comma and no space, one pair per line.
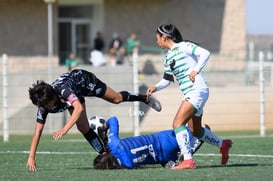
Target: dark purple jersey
71,86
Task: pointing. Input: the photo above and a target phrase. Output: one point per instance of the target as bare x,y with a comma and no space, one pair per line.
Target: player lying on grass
68,92
132,152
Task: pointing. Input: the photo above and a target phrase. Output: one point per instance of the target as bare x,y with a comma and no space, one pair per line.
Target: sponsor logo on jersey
172,64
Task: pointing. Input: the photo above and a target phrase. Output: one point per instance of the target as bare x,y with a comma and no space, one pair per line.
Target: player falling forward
68,92
184,61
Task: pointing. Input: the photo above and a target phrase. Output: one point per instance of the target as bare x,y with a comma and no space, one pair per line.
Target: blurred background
41,39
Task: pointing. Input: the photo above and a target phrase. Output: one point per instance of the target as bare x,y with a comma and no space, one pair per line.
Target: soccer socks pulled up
183,140
94,141
131,96
195,144
209,137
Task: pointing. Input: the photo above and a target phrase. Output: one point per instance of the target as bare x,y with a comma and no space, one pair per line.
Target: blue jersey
131,152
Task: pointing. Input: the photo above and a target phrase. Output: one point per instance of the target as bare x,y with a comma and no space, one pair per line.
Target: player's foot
186,164
154,103
226,145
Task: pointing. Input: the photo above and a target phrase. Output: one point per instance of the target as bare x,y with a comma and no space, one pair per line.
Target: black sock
94,141
130,96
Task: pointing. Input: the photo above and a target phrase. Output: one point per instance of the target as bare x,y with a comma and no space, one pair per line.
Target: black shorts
101,88
80,82
96,86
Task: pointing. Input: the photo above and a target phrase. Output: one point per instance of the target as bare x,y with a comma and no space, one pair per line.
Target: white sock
211,138
195,143
183,140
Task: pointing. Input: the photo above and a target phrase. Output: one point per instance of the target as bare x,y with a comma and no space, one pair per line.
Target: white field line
88,153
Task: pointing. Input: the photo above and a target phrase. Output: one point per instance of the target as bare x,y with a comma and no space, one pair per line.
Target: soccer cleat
226,145
186,164
154,103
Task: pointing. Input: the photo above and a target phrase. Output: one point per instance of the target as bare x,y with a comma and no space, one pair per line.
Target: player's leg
206,135
197,143
195,146
195,125
183,115
124,96
88,133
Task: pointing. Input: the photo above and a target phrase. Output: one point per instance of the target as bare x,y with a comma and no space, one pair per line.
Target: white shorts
198,99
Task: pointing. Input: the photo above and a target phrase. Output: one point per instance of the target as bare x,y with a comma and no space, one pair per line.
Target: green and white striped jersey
181,60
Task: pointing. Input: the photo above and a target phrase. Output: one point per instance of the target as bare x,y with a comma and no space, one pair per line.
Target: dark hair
41,93
106,161
171,32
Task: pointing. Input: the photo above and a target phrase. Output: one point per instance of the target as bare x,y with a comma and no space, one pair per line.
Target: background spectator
99,42
132,43
117,51
72,62
96,56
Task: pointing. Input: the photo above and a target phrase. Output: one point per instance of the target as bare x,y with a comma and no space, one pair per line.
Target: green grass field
251,158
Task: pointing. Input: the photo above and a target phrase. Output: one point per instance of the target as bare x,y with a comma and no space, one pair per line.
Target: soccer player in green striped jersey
184,62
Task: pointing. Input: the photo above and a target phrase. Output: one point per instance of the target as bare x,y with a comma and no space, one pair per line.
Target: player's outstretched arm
150,90
78,110
31,163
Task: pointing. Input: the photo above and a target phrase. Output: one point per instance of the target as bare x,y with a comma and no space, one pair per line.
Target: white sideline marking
87,153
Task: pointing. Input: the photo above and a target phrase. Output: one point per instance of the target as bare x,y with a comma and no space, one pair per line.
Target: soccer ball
95,122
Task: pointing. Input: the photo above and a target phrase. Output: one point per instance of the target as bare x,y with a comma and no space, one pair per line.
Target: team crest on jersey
175,49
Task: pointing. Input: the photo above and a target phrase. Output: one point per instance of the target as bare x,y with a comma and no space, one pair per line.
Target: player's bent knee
116,100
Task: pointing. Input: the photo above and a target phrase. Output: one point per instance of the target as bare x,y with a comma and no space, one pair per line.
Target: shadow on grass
139,168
